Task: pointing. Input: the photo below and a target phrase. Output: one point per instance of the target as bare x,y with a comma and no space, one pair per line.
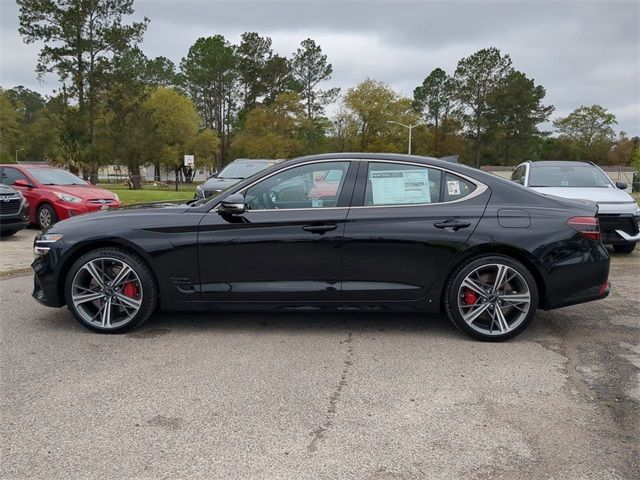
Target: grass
150,194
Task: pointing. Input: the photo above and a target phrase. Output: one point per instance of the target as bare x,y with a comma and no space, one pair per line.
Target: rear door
407,222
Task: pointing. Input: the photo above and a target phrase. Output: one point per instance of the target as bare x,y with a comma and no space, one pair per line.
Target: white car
618,212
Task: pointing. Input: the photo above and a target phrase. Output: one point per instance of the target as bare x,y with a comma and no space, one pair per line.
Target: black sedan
369,232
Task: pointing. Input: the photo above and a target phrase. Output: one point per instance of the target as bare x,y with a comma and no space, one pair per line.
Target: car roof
558,163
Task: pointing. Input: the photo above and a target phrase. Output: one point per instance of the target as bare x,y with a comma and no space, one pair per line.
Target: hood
594,194
218,183
144,214
609,200
7,190
87,192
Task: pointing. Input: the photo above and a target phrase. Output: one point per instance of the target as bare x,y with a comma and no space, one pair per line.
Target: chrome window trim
480,187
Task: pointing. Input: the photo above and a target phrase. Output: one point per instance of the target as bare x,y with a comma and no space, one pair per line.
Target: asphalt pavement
328,396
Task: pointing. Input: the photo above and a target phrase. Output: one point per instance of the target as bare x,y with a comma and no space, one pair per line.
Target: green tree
277,77
10,123
204,147
253,54
515,110
475,79
275,130
369,107
210,76
310,68
435,101
588,131
80,38
26,101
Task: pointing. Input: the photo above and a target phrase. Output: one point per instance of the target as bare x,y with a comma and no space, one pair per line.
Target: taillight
586,226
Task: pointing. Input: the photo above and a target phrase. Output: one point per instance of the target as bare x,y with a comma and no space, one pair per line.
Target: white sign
453,187
189,160
391,187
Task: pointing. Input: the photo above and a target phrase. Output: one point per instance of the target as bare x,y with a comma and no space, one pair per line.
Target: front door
407,222
287,245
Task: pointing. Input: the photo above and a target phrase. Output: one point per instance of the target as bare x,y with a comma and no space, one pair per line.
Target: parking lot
301,395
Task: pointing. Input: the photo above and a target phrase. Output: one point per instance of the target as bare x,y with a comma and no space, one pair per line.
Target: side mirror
23,183
232,205
621,185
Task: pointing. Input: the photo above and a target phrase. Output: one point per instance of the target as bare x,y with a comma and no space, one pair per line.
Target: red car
55,194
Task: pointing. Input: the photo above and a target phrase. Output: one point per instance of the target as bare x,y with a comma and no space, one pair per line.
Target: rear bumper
584,296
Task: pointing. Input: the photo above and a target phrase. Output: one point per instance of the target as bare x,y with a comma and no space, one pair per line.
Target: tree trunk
134,172
156,172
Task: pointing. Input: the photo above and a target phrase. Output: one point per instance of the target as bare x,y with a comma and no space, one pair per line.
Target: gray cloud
583,52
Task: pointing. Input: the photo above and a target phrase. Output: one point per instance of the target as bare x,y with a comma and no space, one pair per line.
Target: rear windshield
55,176
242,170
567,176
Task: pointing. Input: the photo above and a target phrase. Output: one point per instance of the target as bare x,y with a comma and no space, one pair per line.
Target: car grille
611,222
101,201
10,206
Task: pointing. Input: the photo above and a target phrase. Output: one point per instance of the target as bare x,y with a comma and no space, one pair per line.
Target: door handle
319,228
452,224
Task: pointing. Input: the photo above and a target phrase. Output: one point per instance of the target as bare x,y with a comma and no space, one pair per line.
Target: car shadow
298,322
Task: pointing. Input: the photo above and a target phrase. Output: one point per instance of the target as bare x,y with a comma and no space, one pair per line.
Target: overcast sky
582,52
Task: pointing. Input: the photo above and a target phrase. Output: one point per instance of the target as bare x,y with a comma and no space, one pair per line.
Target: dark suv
14,211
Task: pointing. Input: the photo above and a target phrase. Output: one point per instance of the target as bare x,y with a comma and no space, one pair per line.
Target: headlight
115,195
199,192
41,243
67,198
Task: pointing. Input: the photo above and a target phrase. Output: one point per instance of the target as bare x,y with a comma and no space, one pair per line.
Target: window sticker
453,187
391,187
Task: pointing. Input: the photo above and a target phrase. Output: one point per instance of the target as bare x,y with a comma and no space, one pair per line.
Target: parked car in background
618,212
230,175
14,211
347,231
55,194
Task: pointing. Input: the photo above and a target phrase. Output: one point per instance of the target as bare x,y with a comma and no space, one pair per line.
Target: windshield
568,176
55,176
242,170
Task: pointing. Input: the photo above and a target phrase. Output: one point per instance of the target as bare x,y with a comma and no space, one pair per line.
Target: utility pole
408,127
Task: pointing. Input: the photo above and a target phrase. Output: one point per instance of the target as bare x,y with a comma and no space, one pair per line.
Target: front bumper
16,221
619,228
46,273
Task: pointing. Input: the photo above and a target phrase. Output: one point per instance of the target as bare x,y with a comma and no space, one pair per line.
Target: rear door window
401,184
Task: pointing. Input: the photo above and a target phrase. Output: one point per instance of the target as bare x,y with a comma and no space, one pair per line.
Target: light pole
408,127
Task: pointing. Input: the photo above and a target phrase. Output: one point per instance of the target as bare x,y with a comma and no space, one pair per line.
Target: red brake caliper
470,297
130,289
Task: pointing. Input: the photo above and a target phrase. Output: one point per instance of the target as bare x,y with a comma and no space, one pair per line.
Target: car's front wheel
624,247
47,216
492,297
110,290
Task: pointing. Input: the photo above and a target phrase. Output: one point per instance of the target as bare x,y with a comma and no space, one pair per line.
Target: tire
46,216
516,300
624,247
8,233
101,302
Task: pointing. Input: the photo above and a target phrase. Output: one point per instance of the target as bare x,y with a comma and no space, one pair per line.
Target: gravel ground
328,396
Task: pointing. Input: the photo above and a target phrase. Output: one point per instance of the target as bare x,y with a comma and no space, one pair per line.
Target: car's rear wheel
492,297
46,216
110,290
624,248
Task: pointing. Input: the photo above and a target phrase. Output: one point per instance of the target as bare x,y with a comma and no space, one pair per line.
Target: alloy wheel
494,299
44,218
106,292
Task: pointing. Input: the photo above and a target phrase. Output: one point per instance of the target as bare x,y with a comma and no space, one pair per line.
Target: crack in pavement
317,434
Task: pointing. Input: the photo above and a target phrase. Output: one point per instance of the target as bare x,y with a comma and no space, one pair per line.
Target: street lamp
409,127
